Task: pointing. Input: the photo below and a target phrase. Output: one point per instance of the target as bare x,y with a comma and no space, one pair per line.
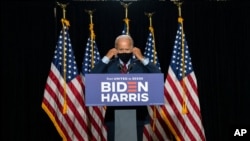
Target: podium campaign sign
124,89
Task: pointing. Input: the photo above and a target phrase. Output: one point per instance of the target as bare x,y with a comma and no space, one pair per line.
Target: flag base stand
125,125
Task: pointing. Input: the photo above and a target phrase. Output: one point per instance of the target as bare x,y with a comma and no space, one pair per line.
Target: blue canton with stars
149,51
176,60
86,65
70,63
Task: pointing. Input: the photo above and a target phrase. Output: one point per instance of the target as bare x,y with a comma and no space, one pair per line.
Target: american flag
156,130
91,56
182,109
150,50
63,95
96,113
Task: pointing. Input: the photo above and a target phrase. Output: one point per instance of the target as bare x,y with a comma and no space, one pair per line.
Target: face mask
124,56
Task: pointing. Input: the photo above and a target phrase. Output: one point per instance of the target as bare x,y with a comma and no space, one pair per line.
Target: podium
124,90
125,125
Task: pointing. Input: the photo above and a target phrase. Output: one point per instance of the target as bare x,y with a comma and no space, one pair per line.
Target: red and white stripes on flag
63,99
181,111
98,129
96,114
157,129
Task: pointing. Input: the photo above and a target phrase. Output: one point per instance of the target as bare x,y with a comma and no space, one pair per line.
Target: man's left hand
137,52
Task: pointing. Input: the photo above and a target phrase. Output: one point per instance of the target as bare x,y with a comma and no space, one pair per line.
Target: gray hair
124,37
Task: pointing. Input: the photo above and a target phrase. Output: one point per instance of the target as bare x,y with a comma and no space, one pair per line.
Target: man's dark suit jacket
135,66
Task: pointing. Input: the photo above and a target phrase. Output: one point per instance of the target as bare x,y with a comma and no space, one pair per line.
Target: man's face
124,46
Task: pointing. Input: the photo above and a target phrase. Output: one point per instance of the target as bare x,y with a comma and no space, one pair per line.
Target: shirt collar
123,63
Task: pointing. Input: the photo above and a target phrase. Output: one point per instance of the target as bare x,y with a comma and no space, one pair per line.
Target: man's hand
112,52
137,52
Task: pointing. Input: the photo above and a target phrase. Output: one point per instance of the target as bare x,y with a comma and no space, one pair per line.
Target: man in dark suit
120,60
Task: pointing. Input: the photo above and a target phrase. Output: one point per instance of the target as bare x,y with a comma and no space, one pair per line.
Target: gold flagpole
92,35
180,20
126,19
65,23
151,29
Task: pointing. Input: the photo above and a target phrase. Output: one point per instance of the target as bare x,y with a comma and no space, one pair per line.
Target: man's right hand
112,52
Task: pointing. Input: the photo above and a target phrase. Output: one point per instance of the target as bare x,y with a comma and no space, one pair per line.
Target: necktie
124,68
